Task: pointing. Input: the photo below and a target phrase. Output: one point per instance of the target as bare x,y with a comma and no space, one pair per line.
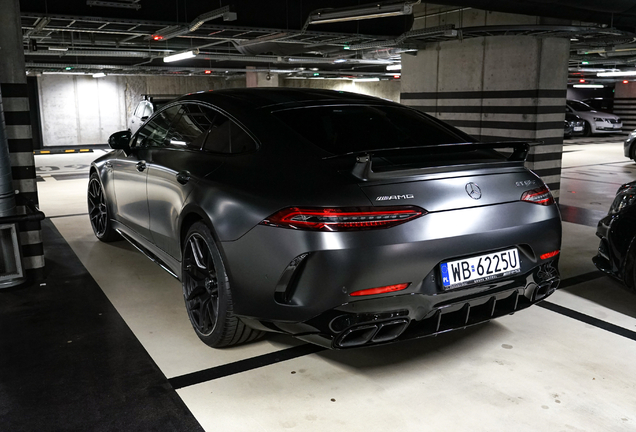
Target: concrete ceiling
119,36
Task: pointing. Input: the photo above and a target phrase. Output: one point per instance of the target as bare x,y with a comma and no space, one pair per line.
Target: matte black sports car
617,231
341,219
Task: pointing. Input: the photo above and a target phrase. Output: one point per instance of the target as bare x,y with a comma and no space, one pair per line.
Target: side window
154,133
227,137
191,126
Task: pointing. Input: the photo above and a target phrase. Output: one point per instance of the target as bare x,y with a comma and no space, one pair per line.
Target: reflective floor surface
564,365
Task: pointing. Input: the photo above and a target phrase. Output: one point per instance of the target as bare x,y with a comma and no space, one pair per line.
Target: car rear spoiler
363,169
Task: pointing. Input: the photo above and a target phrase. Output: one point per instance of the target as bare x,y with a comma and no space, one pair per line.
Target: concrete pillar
496,88
625,104
15,101
261,79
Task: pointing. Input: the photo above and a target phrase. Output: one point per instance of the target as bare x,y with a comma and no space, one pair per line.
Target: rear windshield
354,128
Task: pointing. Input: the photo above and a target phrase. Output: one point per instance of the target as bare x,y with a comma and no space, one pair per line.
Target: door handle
141,166
183,177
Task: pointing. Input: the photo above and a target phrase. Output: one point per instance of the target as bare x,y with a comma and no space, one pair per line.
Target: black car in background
573,126
629,147
617,231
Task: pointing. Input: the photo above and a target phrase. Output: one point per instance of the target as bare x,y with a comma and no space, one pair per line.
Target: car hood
593,113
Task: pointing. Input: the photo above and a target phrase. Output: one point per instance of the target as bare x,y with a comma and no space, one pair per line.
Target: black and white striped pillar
496,88
15,102
504,115
625,104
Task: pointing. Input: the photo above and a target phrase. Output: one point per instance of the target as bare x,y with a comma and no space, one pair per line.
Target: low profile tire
207,294
587,129
98,211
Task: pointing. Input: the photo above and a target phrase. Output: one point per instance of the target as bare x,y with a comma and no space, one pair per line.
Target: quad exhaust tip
371,333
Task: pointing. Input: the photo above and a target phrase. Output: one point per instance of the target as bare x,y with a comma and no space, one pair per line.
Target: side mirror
120,141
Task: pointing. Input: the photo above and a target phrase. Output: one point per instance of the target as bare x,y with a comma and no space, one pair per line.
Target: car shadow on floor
607,292
430,349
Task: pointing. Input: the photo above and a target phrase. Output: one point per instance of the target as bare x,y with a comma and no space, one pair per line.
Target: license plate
480,268
578,128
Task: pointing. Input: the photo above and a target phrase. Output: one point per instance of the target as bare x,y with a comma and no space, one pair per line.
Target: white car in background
145,108
595,121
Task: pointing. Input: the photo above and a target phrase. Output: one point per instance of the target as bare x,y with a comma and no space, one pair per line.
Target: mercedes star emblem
473,191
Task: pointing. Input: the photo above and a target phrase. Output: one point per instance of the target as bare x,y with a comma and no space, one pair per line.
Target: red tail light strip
549,255
380,290
540,196
342,219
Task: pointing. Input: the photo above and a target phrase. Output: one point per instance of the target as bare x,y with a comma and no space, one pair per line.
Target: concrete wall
82,110
383,89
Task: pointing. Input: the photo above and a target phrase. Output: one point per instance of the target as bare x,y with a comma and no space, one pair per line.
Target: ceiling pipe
88,69
362,12
179,30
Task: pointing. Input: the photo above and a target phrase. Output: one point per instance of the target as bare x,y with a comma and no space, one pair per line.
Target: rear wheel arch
193,215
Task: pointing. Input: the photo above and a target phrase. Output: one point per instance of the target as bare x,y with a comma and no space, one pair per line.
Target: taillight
549,255
540,195
381,290
342,219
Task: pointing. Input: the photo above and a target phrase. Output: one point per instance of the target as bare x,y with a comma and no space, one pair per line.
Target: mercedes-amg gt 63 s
343,220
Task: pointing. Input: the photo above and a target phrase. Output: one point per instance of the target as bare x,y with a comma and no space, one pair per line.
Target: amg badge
394,197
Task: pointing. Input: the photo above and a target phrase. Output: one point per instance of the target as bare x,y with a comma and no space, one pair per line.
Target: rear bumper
294,281
377,321
604,127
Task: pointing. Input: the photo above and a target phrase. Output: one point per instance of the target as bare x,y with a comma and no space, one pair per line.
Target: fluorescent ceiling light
58,48
616,74
340,60
181,56
394,67
357,80
369,11
99,75
62,73
588,86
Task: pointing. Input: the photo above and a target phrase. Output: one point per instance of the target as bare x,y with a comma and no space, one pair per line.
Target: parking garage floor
104,343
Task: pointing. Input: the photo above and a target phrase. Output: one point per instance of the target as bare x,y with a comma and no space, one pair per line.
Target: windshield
579,106
353,128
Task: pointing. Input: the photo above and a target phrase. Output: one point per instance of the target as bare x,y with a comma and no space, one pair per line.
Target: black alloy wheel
98,211
207,293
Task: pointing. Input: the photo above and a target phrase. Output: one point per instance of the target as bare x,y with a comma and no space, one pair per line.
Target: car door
173,170
130,173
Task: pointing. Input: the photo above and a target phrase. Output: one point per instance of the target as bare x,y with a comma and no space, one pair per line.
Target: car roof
257,98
